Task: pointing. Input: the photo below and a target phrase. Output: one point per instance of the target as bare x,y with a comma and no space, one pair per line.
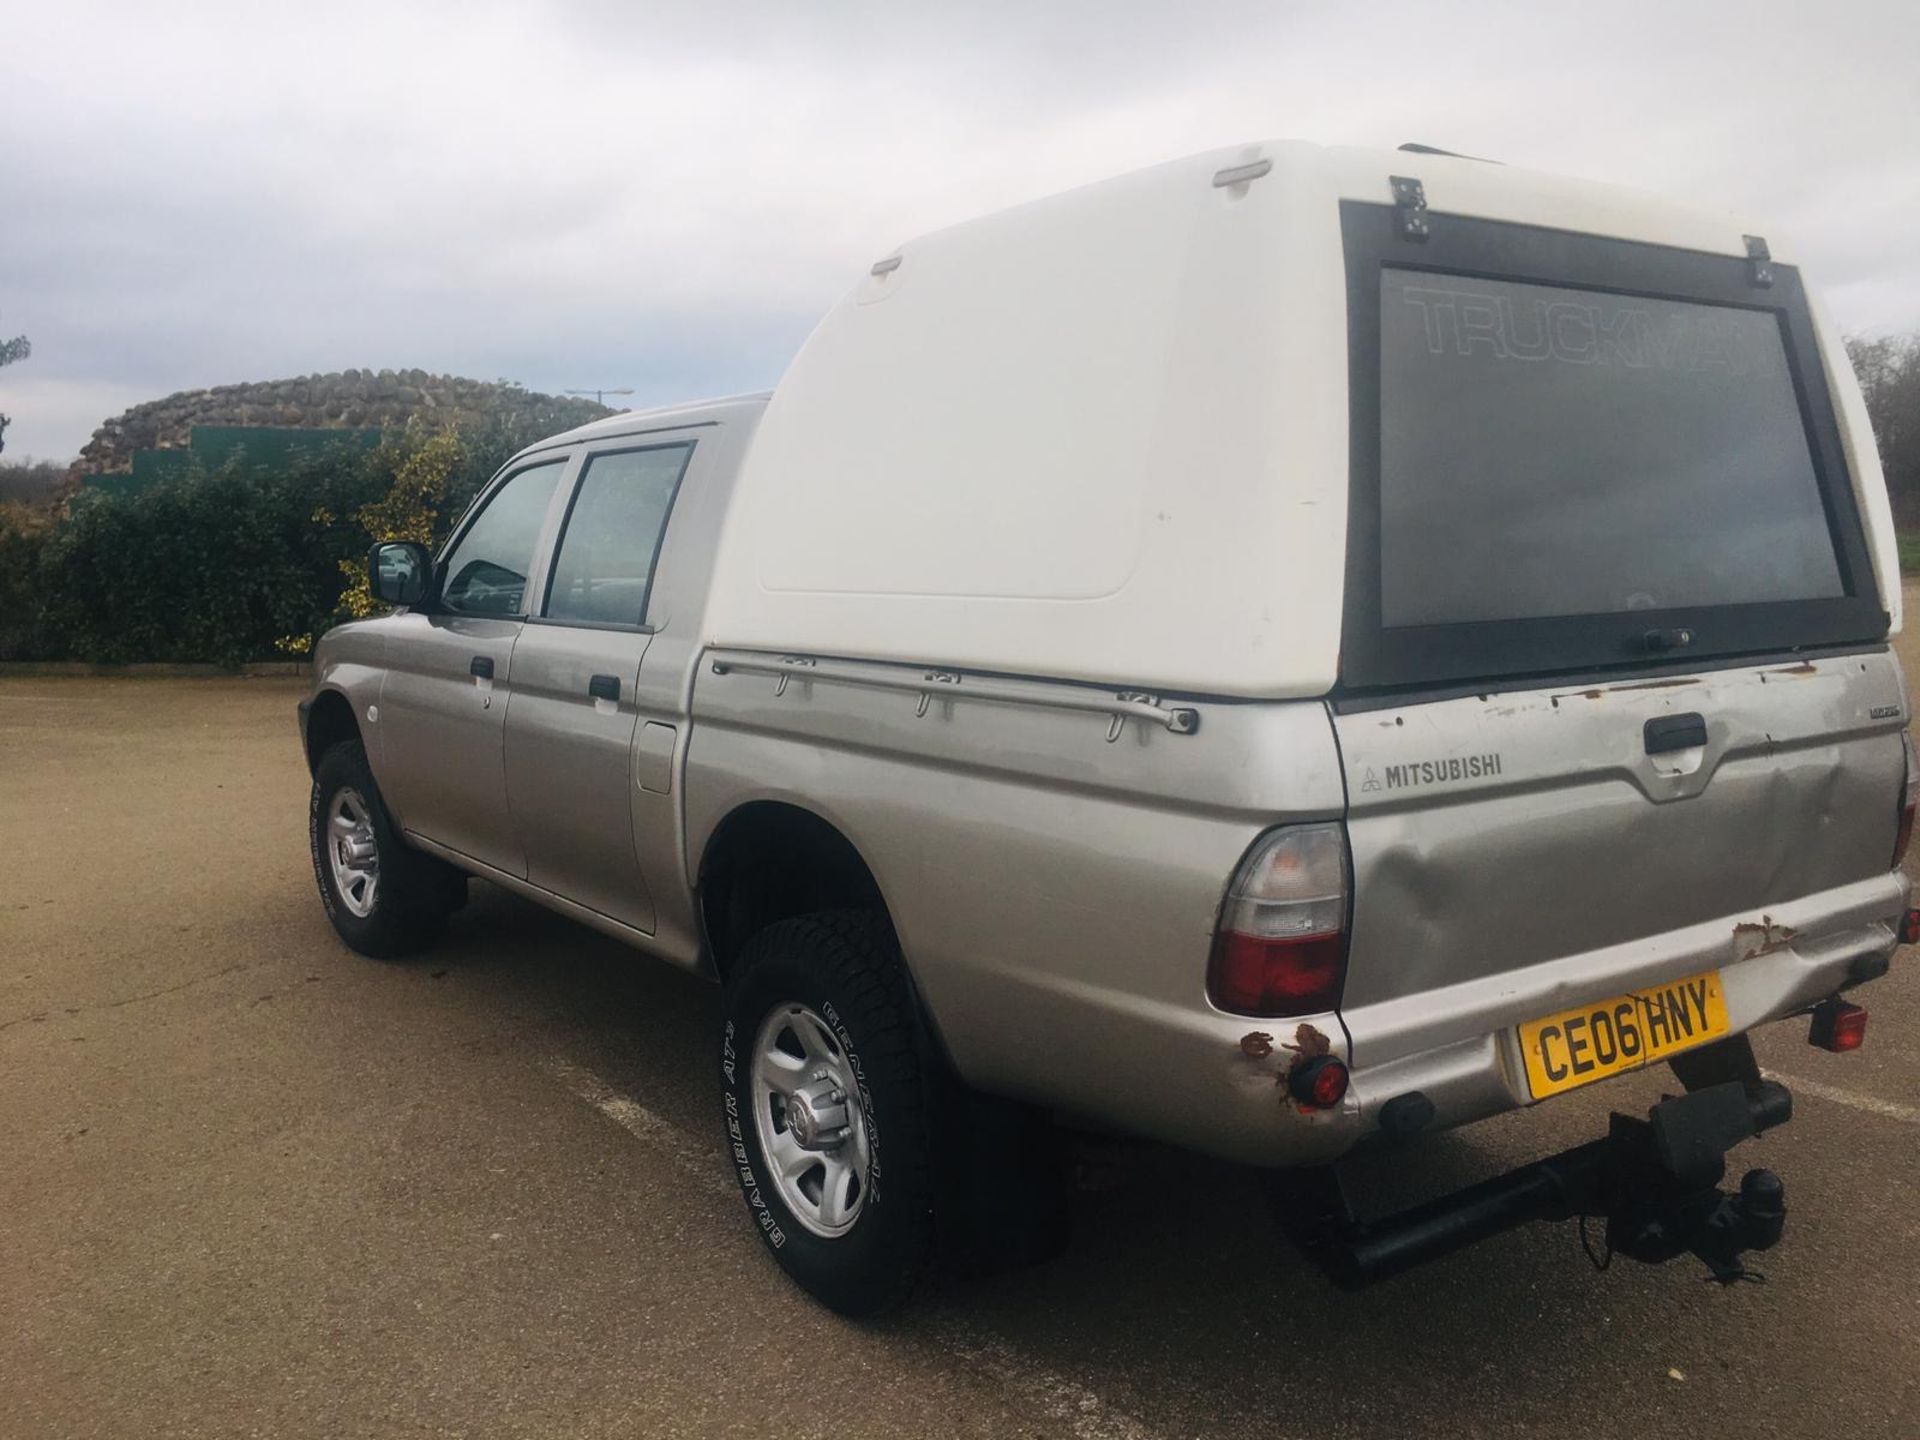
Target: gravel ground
256,1185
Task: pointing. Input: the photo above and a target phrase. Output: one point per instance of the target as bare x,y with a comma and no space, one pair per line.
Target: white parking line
1051,1394
1872,1104
1082,1412
638,1121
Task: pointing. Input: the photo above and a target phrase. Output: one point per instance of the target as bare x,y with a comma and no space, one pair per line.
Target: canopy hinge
1759,261
1410,207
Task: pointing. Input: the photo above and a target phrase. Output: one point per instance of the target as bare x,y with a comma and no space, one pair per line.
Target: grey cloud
666,197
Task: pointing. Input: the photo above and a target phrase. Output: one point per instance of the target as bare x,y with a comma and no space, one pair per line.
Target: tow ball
1661,1187
1656,1182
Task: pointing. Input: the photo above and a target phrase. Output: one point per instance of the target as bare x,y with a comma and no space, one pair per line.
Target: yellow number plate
1589,1043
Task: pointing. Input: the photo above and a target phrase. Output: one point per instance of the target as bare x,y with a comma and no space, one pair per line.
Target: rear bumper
1458,1048
1219,1079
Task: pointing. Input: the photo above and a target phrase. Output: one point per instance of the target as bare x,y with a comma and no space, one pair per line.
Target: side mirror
397,572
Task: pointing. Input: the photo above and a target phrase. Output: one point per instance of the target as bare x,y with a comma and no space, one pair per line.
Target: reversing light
1838,1026
1909,798
1281,945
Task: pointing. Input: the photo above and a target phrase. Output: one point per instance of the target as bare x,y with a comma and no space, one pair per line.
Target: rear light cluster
1281,946
1909,798
1838,1026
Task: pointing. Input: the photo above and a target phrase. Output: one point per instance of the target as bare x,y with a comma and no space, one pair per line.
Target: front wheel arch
330,722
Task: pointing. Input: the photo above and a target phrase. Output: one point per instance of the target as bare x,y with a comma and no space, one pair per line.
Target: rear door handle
604,687
1675,732
481,668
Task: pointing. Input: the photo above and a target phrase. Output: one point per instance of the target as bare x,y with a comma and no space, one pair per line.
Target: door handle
604,687
1674,732
481,668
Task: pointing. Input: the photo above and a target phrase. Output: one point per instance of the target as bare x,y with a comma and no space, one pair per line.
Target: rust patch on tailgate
1599,693
1658,684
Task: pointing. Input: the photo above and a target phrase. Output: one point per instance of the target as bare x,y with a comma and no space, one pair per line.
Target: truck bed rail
1119,708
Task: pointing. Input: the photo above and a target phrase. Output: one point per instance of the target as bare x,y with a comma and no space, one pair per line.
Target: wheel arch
330,720
770,860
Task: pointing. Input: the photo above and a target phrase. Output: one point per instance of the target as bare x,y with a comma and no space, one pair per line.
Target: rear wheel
384,897
827,1108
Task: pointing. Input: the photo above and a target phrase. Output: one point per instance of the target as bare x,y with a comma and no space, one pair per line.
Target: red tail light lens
1838,1026
1909,798
1281,946
1321,1083
1252,976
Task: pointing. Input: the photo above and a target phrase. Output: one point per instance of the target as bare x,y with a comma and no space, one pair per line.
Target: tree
1889,371
17,348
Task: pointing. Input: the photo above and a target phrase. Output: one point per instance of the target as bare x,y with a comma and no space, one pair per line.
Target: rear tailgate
1493,833
1576,456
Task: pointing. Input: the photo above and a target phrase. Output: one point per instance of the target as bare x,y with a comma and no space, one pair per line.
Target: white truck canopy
1104,436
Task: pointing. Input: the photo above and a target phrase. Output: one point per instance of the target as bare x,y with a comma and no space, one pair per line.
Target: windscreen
1555,452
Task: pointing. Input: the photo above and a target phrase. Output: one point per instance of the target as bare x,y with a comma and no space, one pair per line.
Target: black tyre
1003,1183
826,1097
384,897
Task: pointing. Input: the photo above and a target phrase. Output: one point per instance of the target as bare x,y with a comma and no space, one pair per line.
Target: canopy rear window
1572,453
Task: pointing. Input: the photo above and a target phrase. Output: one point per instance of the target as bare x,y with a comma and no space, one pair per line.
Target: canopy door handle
1665,733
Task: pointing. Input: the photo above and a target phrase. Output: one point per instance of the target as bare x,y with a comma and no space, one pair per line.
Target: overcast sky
611,193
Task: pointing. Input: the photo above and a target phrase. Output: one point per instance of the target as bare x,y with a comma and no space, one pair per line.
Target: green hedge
1910,552
239,562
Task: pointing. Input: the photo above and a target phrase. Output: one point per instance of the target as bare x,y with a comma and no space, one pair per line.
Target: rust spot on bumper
1308,1044
1761,938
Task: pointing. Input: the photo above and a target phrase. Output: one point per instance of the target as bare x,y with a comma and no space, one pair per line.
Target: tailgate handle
1675,732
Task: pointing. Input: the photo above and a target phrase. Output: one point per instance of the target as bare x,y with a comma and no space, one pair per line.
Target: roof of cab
718,411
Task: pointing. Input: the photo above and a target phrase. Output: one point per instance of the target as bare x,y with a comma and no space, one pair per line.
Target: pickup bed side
1055,892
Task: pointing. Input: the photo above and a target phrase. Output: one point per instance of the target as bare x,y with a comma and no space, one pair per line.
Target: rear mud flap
1655,1182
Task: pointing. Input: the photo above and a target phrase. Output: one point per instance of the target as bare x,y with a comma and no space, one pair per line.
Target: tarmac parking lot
255,1185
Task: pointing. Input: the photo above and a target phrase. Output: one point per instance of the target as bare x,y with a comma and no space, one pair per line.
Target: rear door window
610,542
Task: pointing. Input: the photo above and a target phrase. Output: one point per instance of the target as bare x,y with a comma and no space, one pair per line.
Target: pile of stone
344,400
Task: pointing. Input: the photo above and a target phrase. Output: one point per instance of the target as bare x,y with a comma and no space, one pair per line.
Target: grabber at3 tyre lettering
385,898
826,1108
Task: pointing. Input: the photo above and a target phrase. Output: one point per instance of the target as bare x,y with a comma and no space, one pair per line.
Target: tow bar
1656,1182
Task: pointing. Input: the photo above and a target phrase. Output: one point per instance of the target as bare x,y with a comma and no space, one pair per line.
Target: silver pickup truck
1292,650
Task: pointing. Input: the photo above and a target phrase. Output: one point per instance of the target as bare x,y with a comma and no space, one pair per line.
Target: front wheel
384,897
827,1108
